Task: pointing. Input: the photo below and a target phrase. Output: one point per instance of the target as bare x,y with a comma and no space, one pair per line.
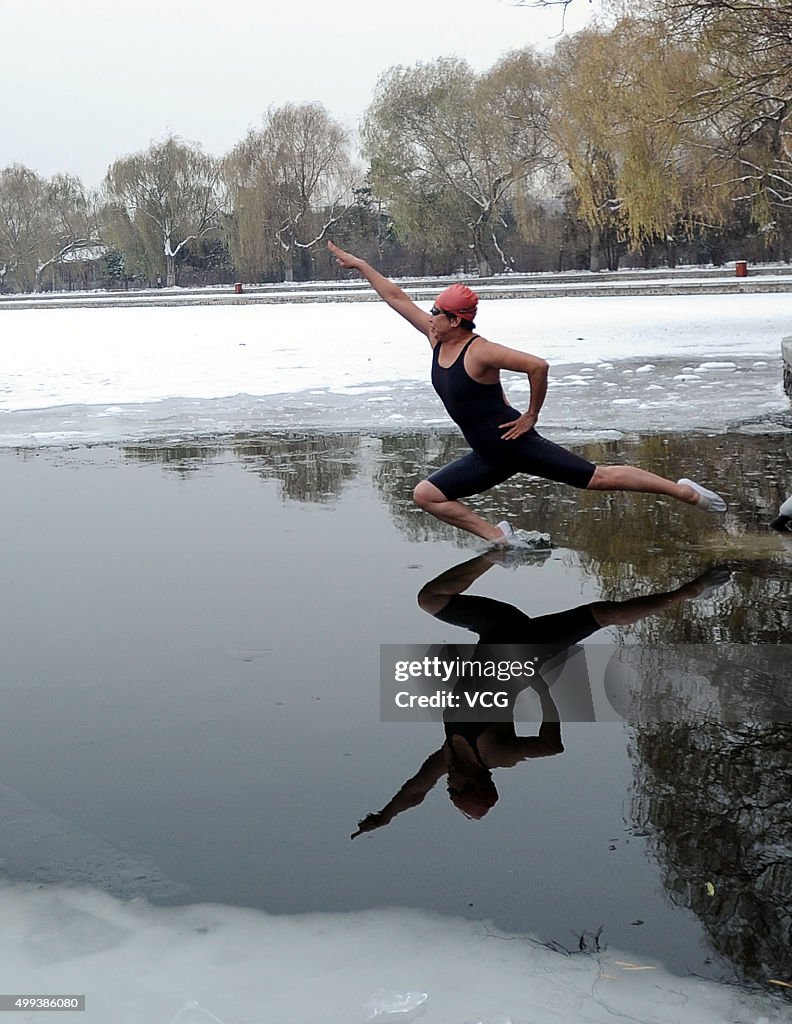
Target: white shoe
713,579
709,501
512,557
784,520
508,533
524,540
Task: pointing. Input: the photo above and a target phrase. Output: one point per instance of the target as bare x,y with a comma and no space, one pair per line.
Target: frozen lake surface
635,364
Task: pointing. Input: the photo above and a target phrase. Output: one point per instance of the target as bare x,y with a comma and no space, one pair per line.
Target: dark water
190,660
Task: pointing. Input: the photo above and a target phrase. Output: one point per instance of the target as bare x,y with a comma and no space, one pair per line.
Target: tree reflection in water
715,803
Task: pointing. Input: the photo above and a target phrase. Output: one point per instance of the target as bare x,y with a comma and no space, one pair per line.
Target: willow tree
42,221
516,95
70,222
582,128
169,195
21,200
747,104
289,181
448,147
136,241
637,168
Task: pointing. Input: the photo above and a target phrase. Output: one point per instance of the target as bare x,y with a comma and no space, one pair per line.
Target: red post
238,287
741,268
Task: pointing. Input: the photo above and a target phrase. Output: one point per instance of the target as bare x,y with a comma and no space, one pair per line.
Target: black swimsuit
470,732
496,622
479,410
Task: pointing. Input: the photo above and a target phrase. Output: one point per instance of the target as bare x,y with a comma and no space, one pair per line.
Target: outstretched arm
395,296
410,795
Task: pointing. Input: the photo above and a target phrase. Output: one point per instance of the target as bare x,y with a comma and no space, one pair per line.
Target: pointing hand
344,259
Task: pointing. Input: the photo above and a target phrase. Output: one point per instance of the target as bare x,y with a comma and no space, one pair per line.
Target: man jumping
466,375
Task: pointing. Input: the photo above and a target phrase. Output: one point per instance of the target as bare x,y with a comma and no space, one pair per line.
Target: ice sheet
100,374
135,963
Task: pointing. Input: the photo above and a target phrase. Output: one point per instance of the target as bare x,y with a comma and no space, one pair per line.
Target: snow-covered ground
220,965
625,364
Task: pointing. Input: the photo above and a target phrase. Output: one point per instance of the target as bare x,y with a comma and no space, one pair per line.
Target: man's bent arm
492,355
537,376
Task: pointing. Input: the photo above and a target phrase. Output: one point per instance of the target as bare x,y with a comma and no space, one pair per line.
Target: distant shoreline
573,284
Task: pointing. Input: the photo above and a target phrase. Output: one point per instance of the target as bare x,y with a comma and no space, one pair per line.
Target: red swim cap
458,299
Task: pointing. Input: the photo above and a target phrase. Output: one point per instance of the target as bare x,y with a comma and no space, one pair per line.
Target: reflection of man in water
784,518
472,749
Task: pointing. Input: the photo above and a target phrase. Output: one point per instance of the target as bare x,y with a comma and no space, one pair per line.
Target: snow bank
116,356
196,964
77,376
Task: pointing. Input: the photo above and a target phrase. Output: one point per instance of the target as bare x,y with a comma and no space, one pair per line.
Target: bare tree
742,107
453,144
289,182
637,170
173,189
21,198
562,6
41,221
748,104
582,125
71,222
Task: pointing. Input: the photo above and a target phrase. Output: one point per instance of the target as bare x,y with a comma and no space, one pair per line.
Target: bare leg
435,595
431,499
629,478
625,613
606,478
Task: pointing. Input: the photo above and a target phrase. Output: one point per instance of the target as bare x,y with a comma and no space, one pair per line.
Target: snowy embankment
95,375
208,964
663,282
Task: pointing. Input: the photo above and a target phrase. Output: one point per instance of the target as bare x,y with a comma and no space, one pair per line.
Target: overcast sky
87,81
